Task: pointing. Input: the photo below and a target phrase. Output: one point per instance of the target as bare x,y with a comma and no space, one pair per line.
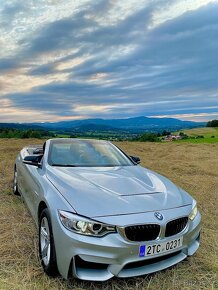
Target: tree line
213,123
17,133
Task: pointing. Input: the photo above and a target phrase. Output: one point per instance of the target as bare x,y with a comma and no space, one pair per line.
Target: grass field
194,167
210,135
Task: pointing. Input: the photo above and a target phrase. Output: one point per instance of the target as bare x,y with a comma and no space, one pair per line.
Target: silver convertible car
100,214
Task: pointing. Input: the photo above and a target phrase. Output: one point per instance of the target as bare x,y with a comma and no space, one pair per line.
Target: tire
15,187
46,245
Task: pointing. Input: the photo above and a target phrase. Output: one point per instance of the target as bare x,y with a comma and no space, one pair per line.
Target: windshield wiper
64,165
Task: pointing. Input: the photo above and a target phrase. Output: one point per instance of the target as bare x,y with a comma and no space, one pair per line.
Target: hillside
21,126
210,135
136,124
206,131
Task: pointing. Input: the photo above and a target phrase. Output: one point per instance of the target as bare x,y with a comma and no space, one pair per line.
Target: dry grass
192,166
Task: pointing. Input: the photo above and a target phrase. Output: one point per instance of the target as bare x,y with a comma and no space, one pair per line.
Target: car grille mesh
176,226
139,233
149,232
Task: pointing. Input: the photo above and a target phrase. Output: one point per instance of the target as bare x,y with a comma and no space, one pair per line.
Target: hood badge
158,215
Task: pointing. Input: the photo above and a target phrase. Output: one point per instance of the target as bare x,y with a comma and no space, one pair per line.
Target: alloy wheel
45,241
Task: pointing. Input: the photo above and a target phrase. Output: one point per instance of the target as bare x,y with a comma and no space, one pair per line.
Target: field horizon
194,167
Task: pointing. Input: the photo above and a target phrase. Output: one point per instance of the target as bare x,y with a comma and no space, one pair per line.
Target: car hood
104,191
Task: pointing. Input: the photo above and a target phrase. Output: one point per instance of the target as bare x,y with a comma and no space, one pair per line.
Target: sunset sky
63,60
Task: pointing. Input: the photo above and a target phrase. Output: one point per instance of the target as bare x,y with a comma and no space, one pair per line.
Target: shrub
149,137
213,123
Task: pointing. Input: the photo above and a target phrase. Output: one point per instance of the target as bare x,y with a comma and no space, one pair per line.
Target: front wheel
15,187
46,244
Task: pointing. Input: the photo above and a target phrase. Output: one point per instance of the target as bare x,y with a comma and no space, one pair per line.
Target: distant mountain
21,126
136,124
95,127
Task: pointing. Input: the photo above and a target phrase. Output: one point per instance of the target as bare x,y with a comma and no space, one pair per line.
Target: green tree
166,133
149,137
213,123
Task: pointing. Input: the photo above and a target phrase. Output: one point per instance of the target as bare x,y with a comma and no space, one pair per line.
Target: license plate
154,249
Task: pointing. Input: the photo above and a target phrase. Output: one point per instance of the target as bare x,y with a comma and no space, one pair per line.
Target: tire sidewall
15,191
51,268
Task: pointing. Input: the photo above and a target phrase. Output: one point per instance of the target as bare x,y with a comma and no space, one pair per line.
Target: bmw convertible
100,214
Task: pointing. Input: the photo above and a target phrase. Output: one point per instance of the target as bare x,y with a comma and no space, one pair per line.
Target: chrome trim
121,231
161,235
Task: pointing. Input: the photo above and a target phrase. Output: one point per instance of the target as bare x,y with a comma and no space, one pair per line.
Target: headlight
193,213
83,225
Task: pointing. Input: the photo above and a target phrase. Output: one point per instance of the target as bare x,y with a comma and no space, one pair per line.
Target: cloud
7,64
200,117
112,55
10,11
43,69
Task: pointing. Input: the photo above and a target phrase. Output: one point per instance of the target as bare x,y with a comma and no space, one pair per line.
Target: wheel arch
41,207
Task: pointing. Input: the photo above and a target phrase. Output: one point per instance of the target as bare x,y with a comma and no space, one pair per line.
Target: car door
31,186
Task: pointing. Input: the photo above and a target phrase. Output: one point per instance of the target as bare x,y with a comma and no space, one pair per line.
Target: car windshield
78,153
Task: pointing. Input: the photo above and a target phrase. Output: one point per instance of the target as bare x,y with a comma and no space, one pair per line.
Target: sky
66,60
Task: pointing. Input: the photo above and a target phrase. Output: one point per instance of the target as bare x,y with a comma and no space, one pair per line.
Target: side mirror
135,159
33,160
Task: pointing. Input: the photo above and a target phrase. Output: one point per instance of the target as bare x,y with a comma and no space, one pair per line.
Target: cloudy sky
72,59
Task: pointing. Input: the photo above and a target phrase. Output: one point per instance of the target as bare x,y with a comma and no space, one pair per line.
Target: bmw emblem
158,215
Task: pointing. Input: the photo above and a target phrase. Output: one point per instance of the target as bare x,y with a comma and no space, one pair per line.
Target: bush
149,137
166,133
213,123
183,135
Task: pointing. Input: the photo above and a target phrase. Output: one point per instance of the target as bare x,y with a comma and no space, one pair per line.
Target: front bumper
99,259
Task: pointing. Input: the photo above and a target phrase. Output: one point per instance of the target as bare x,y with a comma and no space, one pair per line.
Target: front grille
139,233
176,226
